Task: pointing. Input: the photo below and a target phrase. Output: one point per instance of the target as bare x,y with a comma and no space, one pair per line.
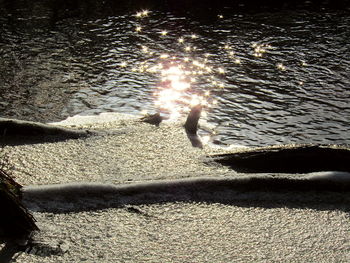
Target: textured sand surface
176,226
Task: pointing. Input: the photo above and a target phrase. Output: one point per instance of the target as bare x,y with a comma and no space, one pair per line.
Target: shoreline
133,192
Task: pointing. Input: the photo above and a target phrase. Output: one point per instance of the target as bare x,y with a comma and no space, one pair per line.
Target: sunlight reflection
164,56
142,13
221,70
123,64
260,49
187,48
181,40
184,78
280,66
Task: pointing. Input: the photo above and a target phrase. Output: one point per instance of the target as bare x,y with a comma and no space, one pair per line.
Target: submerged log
288,159
16,223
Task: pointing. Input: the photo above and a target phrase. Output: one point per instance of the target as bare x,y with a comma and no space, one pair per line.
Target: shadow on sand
16,132
328,192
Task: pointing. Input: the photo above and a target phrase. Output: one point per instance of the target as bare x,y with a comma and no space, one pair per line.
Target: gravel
242,226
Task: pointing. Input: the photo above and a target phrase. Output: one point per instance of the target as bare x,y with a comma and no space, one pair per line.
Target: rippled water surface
263,78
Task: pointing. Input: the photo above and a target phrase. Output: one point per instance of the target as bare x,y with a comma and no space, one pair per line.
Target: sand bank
133,192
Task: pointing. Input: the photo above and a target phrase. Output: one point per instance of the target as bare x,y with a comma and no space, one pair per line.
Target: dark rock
154,119
288,159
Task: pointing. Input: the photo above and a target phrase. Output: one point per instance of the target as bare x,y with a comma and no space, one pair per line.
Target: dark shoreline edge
18,131
303,158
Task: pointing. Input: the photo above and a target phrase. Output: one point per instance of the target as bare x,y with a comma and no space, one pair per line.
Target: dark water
271,77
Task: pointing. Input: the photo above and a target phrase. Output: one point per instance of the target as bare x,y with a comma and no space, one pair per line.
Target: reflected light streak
260,49
176,93
164,56
221,70
142,13
123,64
280,66
145,12
179,85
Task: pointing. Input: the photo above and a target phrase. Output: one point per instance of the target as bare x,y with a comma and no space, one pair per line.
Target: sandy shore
149,218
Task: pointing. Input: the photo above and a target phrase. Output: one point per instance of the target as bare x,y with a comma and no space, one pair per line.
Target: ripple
277,77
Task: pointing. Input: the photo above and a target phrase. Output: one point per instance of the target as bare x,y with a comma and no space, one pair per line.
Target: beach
134,192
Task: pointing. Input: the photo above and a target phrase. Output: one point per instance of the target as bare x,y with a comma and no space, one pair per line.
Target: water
267,77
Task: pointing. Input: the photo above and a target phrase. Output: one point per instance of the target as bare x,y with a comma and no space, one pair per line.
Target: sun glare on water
185,74
180,74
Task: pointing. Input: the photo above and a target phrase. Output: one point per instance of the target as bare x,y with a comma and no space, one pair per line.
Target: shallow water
277,77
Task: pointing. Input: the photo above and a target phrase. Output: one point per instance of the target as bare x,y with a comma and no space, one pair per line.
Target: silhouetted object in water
154,119
191,126
288,159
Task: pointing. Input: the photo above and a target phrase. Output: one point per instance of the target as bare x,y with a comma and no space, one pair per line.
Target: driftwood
288,159
16,132
16,223
11,127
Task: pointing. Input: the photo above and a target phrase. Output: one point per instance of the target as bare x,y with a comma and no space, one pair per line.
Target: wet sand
186,222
